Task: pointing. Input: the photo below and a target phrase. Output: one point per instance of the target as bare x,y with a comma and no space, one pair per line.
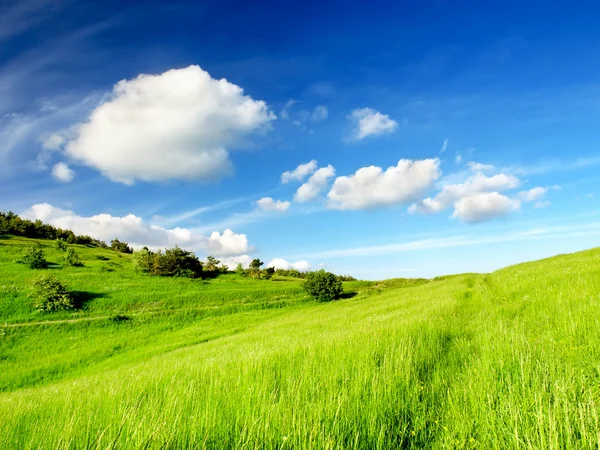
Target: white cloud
483,206
53,141
319,114
280,263
268,204
542,204
371,187
300,172
227,244
285,112
62,172
458,158
138,233
452,193
175,125
479,167
232,261
368,122
533,194
315,184
444,146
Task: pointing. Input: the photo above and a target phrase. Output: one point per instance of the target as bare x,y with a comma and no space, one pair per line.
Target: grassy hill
497,361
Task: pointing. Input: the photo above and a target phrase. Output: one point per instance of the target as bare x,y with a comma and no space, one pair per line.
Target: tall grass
499,361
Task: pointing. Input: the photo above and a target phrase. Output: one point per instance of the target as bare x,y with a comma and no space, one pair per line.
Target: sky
380,139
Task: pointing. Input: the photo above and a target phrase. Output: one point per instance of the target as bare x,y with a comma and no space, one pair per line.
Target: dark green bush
322,285
33,257
49,294
174,262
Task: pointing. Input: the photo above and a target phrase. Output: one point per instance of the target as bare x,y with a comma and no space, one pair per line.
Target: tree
49,294
255,267
240,270
119,246
212,264
268,272
323,286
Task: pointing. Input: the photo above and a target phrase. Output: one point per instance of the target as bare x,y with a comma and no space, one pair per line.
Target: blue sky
418,140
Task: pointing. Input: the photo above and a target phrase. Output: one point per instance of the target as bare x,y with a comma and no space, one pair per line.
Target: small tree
240,270
212,264
322,285
268,273
61,244
33,257
50,295
255,267
119,246
71,258
143,260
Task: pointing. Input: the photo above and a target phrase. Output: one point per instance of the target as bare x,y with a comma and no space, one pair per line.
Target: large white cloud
268,204
300,172
280,263
175,125
451,193
483,206
314,185
135,231
368,122
371,187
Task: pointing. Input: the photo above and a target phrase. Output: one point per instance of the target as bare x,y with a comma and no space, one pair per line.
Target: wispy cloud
462,240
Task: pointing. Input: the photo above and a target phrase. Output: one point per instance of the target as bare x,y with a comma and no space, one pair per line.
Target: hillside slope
496,361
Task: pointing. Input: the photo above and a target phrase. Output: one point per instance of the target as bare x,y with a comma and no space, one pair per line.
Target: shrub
71,258
322,285
174,262
61,244
49,295
33,257
268,273
143,260
119,246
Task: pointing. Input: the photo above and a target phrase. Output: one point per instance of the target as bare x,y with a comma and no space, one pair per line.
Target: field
491,361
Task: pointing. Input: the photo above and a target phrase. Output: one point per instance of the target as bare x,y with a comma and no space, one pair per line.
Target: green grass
497,361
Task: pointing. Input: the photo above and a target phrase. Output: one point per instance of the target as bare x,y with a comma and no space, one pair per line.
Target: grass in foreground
498,361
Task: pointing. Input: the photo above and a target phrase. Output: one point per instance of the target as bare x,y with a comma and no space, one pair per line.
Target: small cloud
285,112
63,173
315,184
542,204
280,263
444,146
368,122
458,158
300,172
484,206
479,167
268,204
53,142
319,114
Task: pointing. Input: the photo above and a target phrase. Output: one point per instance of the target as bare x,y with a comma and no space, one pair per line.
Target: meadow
506,360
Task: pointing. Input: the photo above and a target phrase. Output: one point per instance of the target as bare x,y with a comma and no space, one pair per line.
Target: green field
497,361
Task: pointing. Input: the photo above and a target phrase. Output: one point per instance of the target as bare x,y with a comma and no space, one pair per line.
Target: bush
322,285
119,246
61,244
174,262
72,259
50,295
33,257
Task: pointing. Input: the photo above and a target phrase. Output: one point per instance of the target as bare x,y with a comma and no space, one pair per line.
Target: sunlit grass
498,361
